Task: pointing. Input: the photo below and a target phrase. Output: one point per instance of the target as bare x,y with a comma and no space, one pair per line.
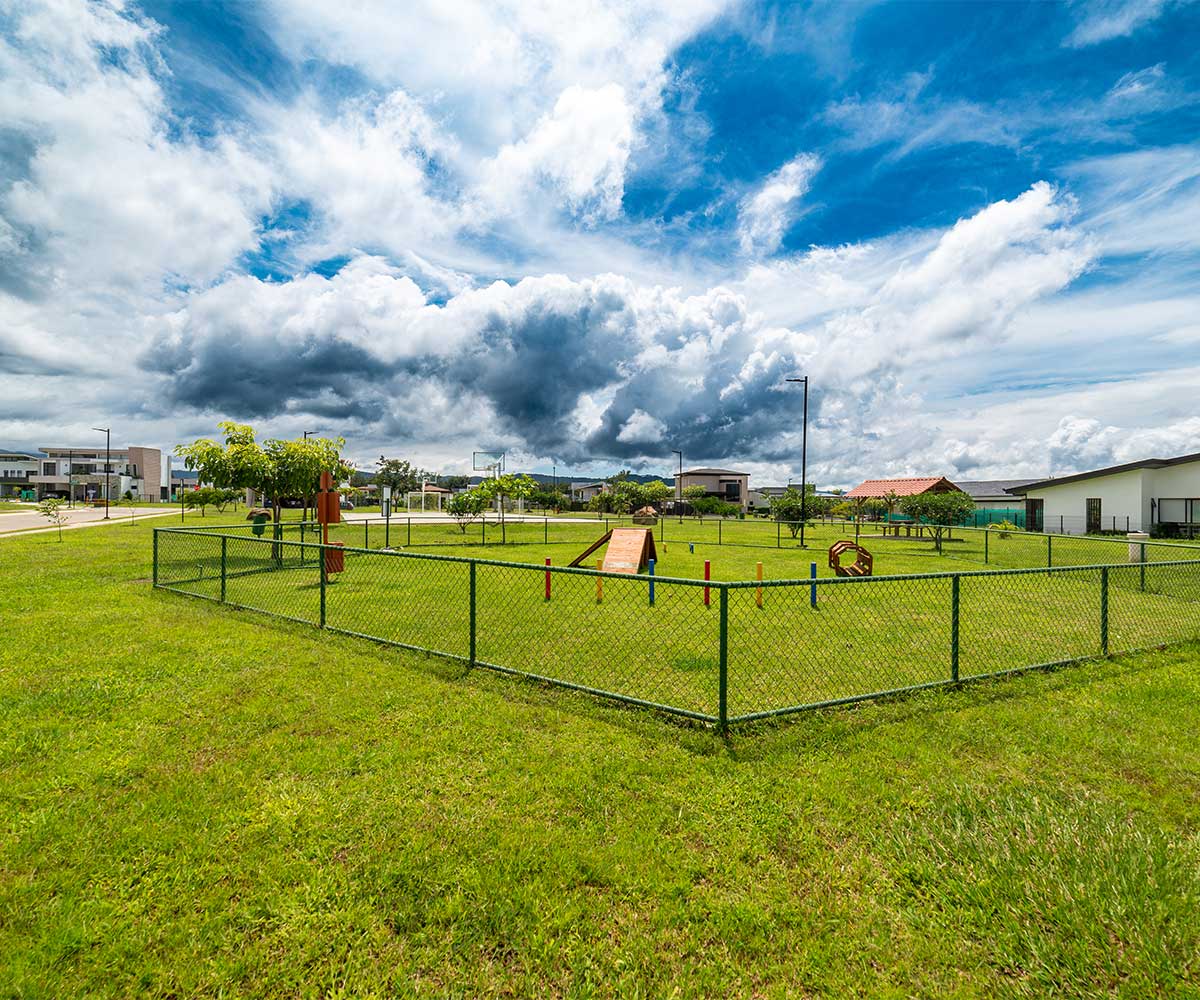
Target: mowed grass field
197,801
857,638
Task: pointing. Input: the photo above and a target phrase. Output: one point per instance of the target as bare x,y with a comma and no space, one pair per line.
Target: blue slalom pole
812,572
651,571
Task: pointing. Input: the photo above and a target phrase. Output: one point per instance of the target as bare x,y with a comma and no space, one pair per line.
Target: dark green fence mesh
722,652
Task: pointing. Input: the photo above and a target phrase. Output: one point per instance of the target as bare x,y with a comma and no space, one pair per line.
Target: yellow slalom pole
758,590
599,582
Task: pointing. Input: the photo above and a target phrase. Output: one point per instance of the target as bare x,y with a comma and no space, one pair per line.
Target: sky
590,234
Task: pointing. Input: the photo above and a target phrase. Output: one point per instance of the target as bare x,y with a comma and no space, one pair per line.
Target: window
47,468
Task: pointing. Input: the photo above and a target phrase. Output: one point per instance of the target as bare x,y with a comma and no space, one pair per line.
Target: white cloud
108,192
764,216
642,428
1103,20
579,150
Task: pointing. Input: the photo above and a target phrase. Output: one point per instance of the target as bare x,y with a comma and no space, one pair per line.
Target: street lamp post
679,485
803,460
71,478
107,464
304,512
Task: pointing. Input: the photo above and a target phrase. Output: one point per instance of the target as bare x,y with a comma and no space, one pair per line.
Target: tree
128,501
939,511
402,476
787,506
52,510
511,487
275,468
694,494
656,492
222,498
456,482
466,508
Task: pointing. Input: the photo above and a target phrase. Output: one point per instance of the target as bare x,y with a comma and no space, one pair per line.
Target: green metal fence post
719,523
471,617
723,665
367,534
224,549
302,552
483,521
954,628
778,536
321,560
1142,567
1049,551
985,544
409,542
546,530
155,570
1104,611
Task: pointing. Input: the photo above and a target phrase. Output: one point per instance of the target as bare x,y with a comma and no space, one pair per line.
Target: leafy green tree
401,475
456,482
789,507
939,510
467,507
276,469
656,493
52,510
510,487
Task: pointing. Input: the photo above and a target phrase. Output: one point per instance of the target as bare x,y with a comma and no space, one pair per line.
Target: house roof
714,472
991,488
879,488
433,488
588,486
1112,470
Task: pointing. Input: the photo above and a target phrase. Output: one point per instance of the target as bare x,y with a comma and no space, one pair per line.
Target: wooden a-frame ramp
629,550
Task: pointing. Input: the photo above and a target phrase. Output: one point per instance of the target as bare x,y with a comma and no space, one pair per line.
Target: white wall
1122,495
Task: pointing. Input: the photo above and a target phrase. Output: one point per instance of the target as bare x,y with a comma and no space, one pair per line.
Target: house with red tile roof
880,489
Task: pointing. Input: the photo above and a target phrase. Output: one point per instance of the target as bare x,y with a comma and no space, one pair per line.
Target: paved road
12,525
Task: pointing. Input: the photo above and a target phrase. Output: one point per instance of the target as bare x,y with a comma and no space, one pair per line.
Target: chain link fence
720,652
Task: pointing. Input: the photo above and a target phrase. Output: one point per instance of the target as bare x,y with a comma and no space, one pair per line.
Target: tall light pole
107,464
803,460
71,478
679,485
304,512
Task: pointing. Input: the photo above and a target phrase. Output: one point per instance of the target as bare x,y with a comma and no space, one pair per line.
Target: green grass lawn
198,801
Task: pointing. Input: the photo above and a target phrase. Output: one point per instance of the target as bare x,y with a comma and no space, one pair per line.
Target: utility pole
803,460
107,465
71,478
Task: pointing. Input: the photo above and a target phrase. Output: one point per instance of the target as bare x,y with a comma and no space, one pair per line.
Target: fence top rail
1108,539
688,581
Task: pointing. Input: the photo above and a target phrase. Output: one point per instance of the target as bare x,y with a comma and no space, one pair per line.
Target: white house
1161,495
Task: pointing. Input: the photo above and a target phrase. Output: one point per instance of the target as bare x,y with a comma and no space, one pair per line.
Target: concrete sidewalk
32,523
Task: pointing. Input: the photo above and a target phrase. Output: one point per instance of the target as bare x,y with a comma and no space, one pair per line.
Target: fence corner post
154,571
471,616
1104,611
954,587
224,561
1049,550
986,533
723,665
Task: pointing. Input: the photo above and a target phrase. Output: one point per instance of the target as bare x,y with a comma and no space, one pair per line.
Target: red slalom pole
547,579
707,576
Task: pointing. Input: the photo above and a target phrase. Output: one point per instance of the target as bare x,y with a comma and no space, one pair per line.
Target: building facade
17,469
80,473
1158,495
725,484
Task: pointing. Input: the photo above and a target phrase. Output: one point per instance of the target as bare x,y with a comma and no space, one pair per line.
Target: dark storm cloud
265,377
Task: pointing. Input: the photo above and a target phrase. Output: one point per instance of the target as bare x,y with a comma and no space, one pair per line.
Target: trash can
260,516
